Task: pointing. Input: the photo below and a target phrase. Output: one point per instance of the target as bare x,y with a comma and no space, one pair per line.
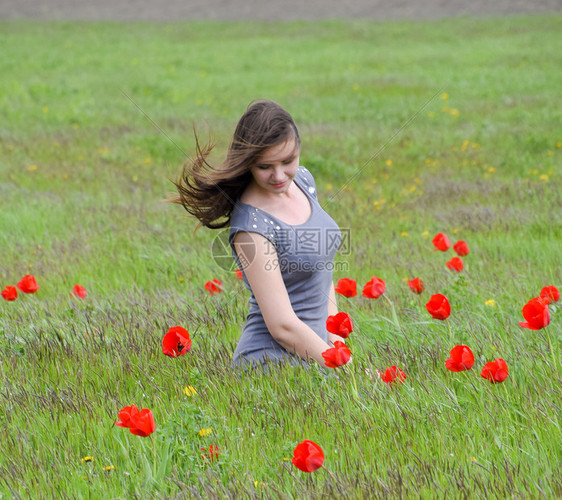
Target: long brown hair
210,193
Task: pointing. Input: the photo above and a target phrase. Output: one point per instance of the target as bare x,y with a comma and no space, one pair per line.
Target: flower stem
450,330
393,312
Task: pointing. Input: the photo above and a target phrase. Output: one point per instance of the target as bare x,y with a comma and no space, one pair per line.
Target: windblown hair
209,193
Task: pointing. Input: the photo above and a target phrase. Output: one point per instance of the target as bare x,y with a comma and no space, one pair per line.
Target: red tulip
346,287
438,306
176,342
213,287
142,423
28,284
461,248
10,293
461,359
550,294
392,374
441,242
125,416
79,291
416,285
374,288
308,456
238,274
340,324
211,453
495,371
337,356
536,313
455,264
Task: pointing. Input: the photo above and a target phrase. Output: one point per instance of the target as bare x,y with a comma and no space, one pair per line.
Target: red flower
28,284
340,324
441,242
461,359
337,356
438,306
416,285
346,287
79,291
308,456
392,374
10,293
536,313
142,423
550,294
176,342
455,264
238,274
213,287
211,453
374,288
495,371
125,416
461,248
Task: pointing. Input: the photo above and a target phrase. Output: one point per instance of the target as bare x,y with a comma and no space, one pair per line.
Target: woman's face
276,168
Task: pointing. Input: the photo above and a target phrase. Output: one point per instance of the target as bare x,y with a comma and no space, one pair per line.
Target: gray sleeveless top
305,256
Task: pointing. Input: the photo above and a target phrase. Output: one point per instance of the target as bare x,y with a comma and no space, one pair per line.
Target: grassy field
463,117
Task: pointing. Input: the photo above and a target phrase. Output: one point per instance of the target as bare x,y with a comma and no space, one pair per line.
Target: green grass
83,178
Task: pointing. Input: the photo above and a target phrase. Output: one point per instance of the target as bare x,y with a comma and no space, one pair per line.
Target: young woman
281,238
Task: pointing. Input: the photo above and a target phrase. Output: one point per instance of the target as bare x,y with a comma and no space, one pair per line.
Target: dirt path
269,10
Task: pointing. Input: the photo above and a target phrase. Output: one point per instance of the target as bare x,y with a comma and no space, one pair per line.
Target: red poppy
461,248
176,342
142,423
374,288
340,324
455,264
550,294
10,293
308,456
416,285
28,284
536,313
238,274
441,242
346,287
211,453
438,306
495,371
461,359
392,374
214,287
125,416
337,356
79,291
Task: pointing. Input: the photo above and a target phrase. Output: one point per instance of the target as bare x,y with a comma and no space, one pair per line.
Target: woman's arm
260,262
333,310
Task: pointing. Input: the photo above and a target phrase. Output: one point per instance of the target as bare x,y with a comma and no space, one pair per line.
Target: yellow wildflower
180,279
45,109
388,163
543,177
412,189
431,114
147,160
189,391
456,230
86,459
549,152
204,432
425,234
109,468
490,302
31,168
329,187
404,234
454,112
473,459
444,96
559,144
355,87
491,170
